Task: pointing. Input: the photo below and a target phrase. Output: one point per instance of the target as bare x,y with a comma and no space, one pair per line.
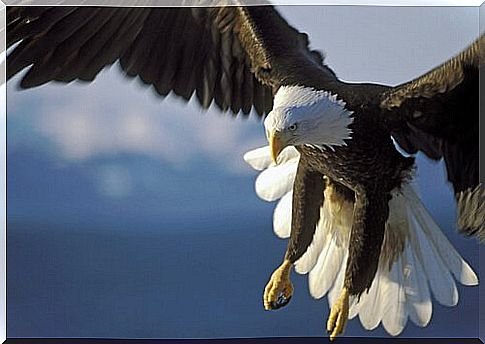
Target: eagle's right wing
231,56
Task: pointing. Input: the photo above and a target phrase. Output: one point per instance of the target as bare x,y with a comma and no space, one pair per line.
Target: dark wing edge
438,114
179,50
222,54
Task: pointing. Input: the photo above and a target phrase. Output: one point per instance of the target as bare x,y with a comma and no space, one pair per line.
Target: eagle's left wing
438,114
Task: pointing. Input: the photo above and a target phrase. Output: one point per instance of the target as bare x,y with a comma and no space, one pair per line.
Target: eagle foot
279,289
338,315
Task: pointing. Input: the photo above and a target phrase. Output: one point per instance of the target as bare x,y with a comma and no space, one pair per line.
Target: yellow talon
279,289
338,315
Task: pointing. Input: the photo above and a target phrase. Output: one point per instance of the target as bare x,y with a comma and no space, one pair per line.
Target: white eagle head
305,116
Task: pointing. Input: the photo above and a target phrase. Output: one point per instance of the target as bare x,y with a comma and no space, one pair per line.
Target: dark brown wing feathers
438,114
226,55
174,49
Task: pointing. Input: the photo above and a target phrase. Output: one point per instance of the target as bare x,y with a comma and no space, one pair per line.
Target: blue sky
111,173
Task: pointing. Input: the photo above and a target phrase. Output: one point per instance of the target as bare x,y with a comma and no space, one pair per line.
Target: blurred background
133,216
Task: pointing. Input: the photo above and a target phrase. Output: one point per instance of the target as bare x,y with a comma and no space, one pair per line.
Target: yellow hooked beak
276,145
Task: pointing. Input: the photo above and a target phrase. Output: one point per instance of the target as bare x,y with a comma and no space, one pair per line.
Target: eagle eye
292,127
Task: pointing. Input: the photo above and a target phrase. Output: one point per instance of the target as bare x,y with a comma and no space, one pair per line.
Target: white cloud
114,181
113,116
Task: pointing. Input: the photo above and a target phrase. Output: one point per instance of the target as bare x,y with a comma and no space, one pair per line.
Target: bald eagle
354,222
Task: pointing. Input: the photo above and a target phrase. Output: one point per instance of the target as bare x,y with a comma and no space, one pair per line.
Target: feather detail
321,238
282,216
276,181
330,263
449,256
335,222
370,306
395,313
260,158
322,118
420,306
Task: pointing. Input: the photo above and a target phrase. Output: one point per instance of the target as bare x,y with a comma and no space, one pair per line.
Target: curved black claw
282,301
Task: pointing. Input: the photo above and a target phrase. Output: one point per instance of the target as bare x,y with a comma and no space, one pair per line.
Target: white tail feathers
276,180
416,260
282,217
426,265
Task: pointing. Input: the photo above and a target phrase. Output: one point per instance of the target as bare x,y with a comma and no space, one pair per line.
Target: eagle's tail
416,260
425,263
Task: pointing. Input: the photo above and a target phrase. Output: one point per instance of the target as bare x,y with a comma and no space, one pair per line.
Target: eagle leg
308,197
371,210
339,315
279,289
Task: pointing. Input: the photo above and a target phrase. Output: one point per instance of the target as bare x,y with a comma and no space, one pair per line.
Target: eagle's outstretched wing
223,54
438,114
